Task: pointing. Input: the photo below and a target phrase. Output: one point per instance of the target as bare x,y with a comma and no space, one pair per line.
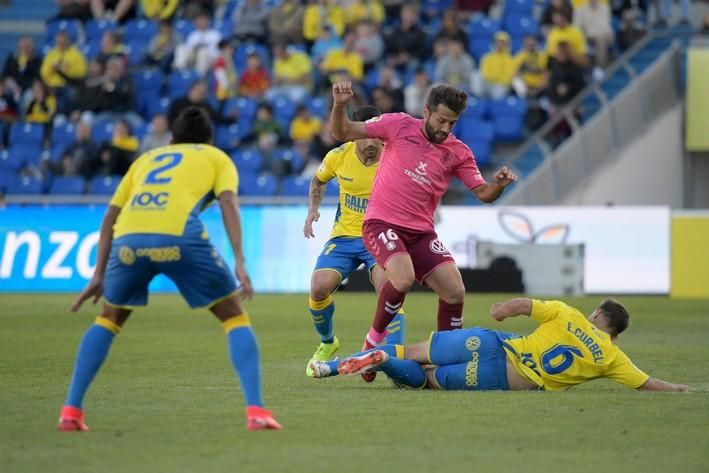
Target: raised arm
654,384
343,129
232,222
491,191
511,308
315,196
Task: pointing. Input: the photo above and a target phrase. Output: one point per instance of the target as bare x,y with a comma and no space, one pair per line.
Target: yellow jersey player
566,349
354,165
152,227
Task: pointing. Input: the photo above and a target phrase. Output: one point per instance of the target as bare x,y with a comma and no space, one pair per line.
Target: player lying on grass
152,226
354,165
565,350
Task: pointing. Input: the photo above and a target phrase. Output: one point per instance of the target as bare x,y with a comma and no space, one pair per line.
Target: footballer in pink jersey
419,160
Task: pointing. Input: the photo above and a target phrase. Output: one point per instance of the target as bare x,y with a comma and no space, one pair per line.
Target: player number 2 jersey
355,180
166,188
566,349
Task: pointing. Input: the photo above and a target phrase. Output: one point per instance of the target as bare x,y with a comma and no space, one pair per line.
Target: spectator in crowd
389,82
364,10
200,48
285,23
62,65
111,47
344,59
369,44
323,143
8,112
406,45
291,74
158,135
305,126
319,14
159,10
21,68
74,9
531,69
250,21
455,67
497,68
416,92
118,10
392,8
566,76
704,28
631,29
225,75
161,50
555,6
254,81
267,132
81,157
326,42
594,20
562,31
470,7
193,8
113,97
196,97
664,13
42,104
384,101
450,28
117,155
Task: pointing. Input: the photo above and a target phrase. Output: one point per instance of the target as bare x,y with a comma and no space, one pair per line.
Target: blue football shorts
192,263
344,255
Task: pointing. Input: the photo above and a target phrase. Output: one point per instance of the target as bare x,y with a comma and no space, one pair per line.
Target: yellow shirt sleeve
624,371
326,170
125,188
227,178
544,311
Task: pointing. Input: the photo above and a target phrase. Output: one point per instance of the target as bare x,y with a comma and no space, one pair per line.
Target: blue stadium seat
317,106
149,80
508,118
140,29
64,134
477,107
264,185
283,111
518,8
95,28
104,185
225,26
135,51
7,177
529,161
520,26
180,82
435,8
67,186
248,160
156,105
183,27
56,152
482,30
228,137
26,185
11,160
90,49
589,106
242,53
615,83
478,135
295,186
26,134
102,133
71,27
297,163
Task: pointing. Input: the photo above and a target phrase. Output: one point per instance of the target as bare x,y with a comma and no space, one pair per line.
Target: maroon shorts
384,240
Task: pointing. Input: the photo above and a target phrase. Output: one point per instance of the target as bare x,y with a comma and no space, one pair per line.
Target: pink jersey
414,173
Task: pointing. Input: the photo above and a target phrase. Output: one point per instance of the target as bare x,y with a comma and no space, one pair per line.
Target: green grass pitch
167,399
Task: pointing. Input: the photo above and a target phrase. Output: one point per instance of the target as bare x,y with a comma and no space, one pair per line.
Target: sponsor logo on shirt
348,179
358,204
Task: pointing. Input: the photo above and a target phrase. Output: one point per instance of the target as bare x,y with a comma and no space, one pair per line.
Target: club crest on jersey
421,168
126,255
438,247
472,343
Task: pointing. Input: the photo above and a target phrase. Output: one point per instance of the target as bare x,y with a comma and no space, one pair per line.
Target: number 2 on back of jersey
157,175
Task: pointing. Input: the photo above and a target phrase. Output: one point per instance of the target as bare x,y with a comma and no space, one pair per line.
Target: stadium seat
264,185
11,161
90,49
589,106
26,185
317,107
295,186
518,8
135,51
71,27
102,133
508,118
283,111
104,185
95,28
67,186
248,160
520,26
183,27
482,31
26,134
478,135
180,82
435,8
477,107
156,106
296,161
242,53
228,137
63,134
225,26
7,177
247,108
615,83
140,29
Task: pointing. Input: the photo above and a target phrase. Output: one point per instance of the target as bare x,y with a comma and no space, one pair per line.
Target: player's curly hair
452,97
364,113
192,125
616,314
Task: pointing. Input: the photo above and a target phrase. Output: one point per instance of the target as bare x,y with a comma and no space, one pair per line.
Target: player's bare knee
402,282
454,295
319,292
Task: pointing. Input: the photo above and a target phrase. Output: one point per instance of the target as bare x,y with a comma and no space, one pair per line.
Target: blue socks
93,351
405,372
322,313
396,330
244,354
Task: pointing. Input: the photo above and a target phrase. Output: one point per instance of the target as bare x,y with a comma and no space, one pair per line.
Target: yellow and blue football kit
345,250
566,349
159,231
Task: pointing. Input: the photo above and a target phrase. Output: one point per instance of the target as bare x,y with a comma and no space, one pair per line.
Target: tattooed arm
315,196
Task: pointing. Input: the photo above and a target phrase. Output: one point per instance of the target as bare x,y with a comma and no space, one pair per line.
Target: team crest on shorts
391,246
126,255
472,343
438,247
